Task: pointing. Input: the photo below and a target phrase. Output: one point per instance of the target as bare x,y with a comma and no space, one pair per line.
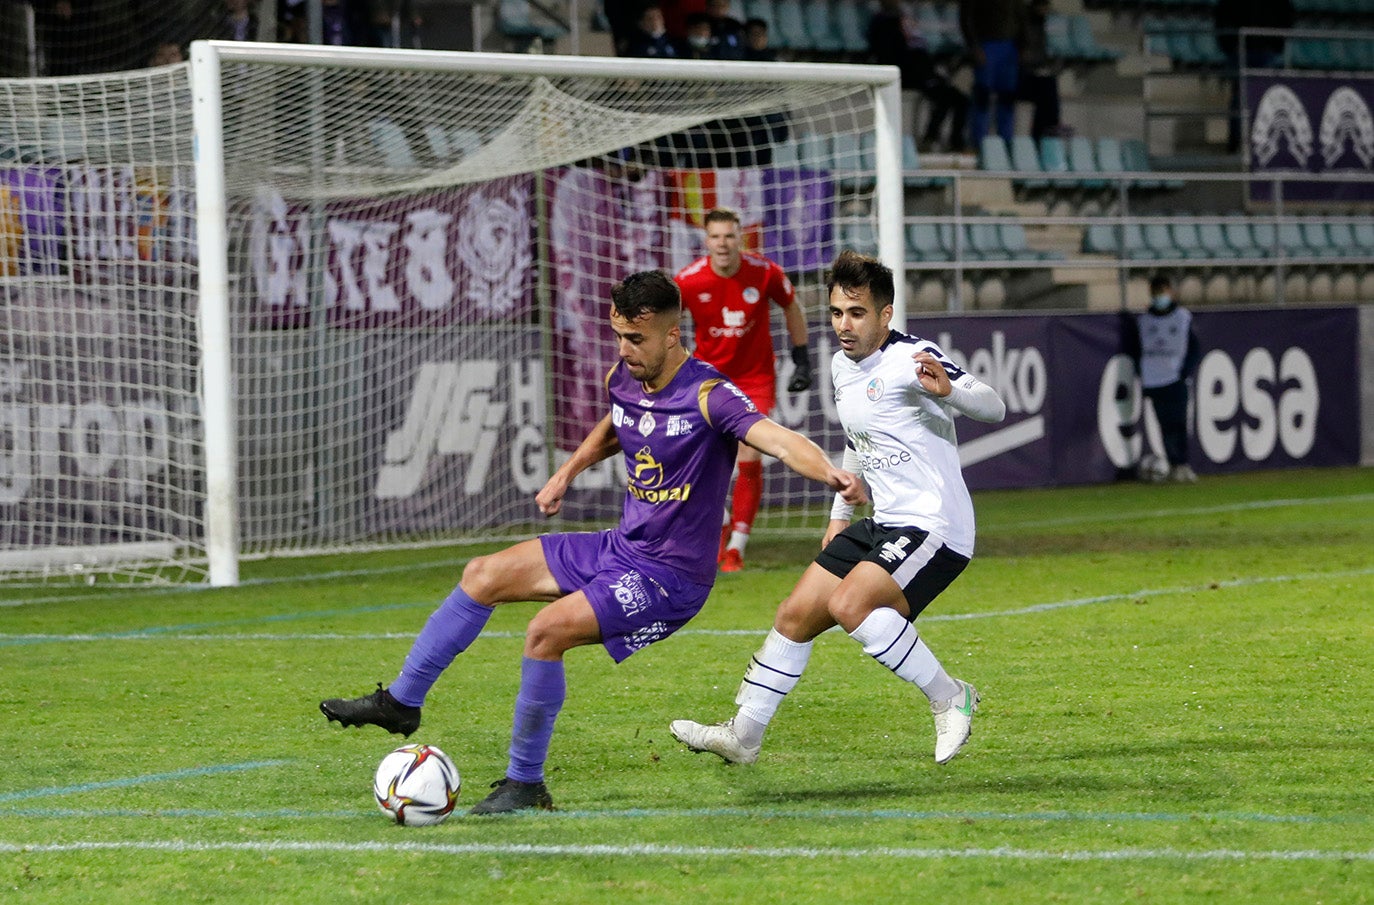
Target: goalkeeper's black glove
801,377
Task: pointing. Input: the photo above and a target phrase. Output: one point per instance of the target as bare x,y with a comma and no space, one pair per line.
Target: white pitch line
154,635
646,850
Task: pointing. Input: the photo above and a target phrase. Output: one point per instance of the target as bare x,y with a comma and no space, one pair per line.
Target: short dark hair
1160,281
645,292
721,215
852,271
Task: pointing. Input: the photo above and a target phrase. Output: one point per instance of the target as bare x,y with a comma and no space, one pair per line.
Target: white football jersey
905,439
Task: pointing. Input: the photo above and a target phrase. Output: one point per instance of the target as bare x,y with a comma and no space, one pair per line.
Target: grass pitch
1176,707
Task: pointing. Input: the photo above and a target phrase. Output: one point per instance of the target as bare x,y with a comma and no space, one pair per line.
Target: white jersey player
896,396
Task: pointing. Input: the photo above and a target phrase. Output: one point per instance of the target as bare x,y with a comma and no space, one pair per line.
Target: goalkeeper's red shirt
731,319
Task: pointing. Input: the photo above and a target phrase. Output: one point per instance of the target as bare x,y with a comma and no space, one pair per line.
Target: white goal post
392,312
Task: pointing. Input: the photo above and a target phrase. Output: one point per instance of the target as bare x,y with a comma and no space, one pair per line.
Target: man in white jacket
896,396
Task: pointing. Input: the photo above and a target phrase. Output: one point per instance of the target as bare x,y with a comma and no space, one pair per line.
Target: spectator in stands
699,43
894,39
1266,52
166,53
240,22
993,31
727,32
756,47
1165,349
622,16
650,36
1039,76
67,31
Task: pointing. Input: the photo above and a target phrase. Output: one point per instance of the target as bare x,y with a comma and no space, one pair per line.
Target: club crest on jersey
751,295
875,389
647,424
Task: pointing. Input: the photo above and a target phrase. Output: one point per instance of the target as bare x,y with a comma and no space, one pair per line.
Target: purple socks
542,690
449,631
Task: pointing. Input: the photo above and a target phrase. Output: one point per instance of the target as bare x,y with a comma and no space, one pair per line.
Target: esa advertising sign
1274,389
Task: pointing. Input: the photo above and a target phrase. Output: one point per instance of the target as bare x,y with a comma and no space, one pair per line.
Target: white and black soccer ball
417,785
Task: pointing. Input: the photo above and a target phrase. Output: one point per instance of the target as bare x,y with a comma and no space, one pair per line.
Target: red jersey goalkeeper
728,293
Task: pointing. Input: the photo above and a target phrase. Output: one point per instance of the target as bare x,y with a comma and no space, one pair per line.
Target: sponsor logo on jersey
643,637
751,295
742,395
646,479
678,425
629,591
894,551
734,324
703,297
875,389
647,424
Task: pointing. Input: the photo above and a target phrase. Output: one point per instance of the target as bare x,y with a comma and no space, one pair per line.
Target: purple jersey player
678,423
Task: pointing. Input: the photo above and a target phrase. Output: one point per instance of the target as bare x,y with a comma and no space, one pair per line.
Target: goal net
372,311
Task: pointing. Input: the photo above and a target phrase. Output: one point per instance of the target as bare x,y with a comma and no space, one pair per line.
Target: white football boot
718,739
953,721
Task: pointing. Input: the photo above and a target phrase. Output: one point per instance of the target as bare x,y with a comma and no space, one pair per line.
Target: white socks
890,639
774,671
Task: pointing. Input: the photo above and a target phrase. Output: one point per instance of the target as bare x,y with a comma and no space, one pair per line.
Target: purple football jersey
679,446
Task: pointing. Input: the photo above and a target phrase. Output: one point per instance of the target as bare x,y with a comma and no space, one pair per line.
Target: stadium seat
993,156
764,9
389,140
951,33
860,236
1083,163
791,31
1316,236
851,17
1240,236
1137,160
1342,238
1265,238
1084,42
1159,241
813,152
1212,239
1013,237
1100,239
1187,241
1291,240
1024,159
825,36
912,177
923,242
1054,160
1364,235
1057,42
983,241
514,21
853,161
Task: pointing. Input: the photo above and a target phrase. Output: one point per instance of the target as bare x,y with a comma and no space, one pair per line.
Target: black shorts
918,561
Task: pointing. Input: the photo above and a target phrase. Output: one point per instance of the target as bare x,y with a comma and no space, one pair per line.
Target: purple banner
799,232
460,255
31,222
1311,124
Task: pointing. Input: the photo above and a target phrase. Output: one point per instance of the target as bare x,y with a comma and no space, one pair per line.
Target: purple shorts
636,603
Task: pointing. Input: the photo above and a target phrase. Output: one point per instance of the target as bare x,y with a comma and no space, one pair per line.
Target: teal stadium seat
851,17
1058,44
984,241
1025,160
923,242
513,20
912,177
1316,236
993,156
1013,236
1241,237
1084,42
1364,235
853,161
1186,239
390,142
791,26
860,236
1212,239
1083,163
1160,242
1342,238
825,36
814,152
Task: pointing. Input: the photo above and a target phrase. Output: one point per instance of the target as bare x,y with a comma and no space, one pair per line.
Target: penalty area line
647,850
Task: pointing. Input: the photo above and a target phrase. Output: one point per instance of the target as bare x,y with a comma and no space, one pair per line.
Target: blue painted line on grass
125,782
858,814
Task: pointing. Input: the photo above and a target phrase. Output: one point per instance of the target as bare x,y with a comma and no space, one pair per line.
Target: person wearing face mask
650,38
1165,349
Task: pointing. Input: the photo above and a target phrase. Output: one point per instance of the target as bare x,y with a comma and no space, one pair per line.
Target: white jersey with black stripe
905,439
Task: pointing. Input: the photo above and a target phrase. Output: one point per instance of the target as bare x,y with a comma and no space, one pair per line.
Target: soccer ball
416,785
